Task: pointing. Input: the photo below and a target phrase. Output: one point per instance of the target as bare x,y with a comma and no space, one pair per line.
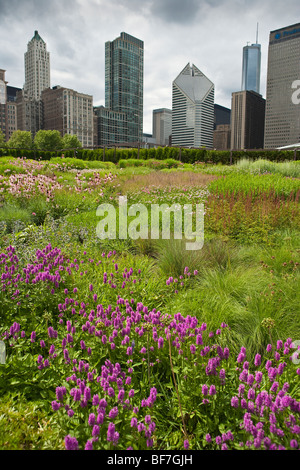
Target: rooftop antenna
257,33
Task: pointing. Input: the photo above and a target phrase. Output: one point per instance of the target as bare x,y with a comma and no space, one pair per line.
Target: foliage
48,140
20,139
120,344
70,142
2,139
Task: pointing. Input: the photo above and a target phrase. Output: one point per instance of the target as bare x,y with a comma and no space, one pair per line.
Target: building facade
222,137
37,67
247,120
251,68
124,78
162,126
111,126
3,101
69,112
282,124
29,112
192,109
37,79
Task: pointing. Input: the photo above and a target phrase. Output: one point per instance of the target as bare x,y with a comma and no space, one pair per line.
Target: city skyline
210,35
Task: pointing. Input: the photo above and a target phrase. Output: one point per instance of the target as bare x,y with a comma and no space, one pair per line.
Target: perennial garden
140,343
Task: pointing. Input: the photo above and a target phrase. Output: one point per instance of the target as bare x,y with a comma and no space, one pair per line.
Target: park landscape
141,344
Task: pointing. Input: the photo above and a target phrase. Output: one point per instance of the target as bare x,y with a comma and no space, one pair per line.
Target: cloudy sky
208,33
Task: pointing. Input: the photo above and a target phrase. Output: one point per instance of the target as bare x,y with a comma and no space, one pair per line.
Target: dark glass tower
124,71
251,68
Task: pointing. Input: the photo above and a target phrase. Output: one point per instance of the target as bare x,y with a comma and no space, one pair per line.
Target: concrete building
124,82
69,112
247,120
192,109
282,123
12,124
37,79
222,137
37,67
3,101
29,112
162,126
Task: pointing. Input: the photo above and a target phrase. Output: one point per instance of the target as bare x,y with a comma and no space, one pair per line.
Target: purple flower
89,445
60,392
92,419
134,423
96,430
234,402
113,413
55,405
294,444
186,444
71,443
257,360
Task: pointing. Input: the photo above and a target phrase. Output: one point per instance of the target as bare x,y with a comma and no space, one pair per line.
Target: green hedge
185,155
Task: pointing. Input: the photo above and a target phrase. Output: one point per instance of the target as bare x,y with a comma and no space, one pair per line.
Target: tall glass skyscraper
124,72
251,68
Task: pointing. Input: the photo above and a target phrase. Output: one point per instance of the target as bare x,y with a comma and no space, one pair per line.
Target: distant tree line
43,140
47,144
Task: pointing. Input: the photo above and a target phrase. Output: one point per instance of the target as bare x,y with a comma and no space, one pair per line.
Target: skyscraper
247,120
37,79
37,67
124,72
192,109
251,68
162,126
282,123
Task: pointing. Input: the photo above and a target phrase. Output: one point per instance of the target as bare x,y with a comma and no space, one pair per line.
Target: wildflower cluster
114,366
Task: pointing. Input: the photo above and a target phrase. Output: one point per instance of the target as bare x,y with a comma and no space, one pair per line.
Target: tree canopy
48,140
70,142
21,140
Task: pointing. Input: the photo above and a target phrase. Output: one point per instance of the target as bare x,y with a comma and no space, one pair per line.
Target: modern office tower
37,67
124,71
69,112
111,126
282,123
251,68
162,126
247,120
192,109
